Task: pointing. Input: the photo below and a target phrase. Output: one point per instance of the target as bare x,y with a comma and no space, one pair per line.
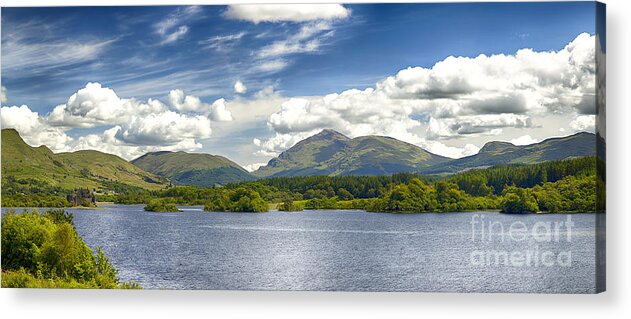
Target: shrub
45,250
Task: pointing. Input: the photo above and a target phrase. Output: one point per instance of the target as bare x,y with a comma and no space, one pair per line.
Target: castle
82,197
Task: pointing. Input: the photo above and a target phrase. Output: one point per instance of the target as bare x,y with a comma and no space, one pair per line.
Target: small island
161,206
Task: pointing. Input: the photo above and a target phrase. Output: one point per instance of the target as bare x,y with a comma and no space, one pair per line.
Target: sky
249,81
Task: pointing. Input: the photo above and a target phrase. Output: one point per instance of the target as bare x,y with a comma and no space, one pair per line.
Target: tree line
566,185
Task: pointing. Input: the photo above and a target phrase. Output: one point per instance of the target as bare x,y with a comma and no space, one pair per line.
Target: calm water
344,250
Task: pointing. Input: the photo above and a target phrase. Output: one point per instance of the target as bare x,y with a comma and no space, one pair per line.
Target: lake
346,250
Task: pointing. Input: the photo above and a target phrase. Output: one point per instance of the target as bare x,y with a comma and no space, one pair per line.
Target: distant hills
494,153
331,153
192,168
81,169
326,153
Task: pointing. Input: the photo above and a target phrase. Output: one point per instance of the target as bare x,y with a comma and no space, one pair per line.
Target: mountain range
81,169
183,168
331,153
326,153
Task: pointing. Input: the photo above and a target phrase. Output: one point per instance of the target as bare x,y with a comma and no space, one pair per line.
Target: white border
16,303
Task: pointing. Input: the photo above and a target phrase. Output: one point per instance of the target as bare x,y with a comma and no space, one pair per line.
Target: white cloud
95,105
584,123
166,128
175,35
308,39
524,140
457,97
3,94
33,128
134,127
253,167
216,111
23,57
173,27
449,151
258,13
239,87
108,142
444,128
272,66
185,103
222,43
219,111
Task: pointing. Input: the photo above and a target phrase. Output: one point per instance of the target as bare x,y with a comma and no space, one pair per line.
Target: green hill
494,153
82,169
331,153
193,168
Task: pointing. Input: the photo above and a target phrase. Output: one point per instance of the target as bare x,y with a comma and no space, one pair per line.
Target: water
340,250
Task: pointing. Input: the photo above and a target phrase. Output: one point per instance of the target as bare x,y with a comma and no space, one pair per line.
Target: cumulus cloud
456,97
33,128
258,13
253,167
185,103
219,111
216,111
239,87
95,105
584,123
524,140
475,124
133,127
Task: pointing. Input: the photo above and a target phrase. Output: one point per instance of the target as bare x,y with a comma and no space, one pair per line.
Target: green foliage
322,203
570,194
31,192
45,250
288,205
518,200
161,205
236,200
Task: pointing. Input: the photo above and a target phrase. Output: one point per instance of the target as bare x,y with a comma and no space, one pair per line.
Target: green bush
161,205
240,199
518,200
45,250
290,206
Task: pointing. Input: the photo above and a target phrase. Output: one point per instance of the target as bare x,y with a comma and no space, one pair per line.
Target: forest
557,186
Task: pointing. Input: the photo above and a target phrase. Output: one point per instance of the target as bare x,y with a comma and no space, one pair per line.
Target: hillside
192,168
331,153
494,153
85,169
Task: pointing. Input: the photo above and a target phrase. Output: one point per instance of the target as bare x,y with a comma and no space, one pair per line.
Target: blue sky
145,52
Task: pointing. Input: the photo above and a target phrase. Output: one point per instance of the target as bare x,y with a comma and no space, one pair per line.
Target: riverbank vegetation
45,251
161,205
556,186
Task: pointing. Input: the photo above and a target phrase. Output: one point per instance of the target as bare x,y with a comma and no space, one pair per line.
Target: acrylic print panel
454,147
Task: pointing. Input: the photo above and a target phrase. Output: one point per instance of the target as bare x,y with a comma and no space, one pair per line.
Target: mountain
331,153
85,169
193,168
494,153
